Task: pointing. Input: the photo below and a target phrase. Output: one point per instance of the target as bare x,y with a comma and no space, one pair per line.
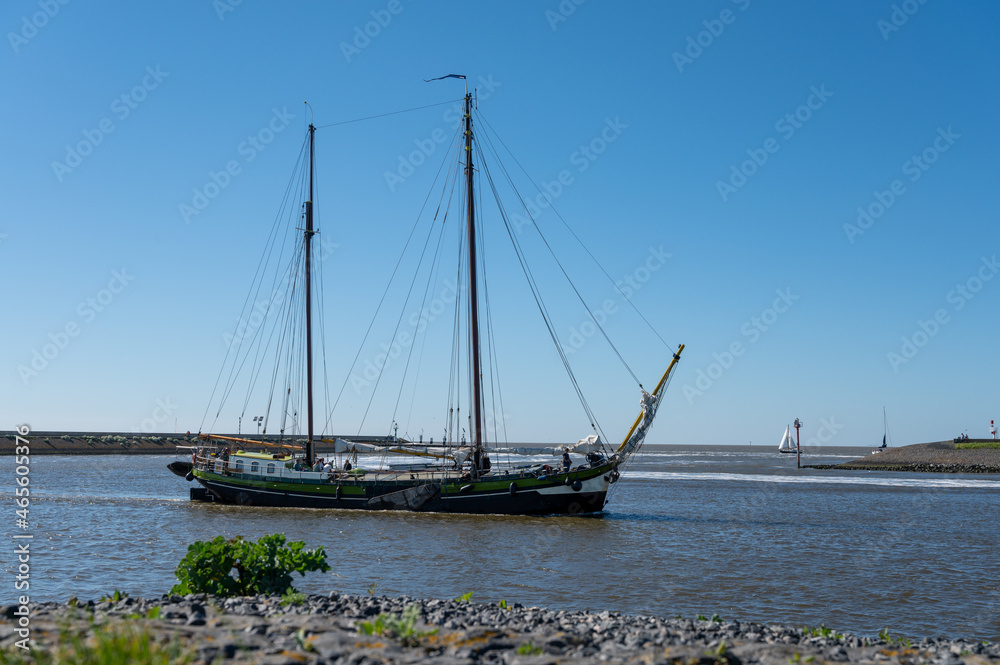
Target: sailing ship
885,433
787,444
452,477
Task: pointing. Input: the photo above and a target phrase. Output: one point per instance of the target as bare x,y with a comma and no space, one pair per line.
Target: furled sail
588,444
649,405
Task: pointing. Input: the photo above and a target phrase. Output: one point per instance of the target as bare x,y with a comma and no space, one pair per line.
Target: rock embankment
96,443
326,629
939,457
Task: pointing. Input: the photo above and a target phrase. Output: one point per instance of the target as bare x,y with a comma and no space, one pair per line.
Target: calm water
736,531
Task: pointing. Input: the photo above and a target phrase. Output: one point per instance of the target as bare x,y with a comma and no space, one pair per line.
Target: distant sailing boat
459,478
885,433
787,444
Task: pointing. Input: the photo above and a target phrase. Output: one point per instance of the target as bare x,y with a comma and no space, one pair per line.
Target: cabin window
254,467
270,467
239,466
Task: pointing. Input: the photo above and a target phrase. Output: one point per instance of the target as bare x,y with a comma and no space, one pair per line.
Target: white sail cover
460,455
345,446
588,444
650,403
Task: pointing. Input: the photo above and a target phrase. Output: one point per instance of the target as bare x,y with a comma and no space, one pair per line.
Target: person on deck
347,465
566,461
318,466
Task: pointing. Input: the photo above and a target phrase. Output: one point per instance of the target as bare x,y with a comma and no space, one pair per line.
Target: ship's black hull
540,498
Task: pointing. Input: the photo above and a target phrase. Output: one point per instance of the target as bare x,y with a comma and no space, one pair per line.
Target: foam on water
882,481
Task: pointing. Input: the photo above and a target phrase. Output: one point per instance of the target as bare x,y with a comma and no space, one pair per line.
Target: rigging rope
541,305
383,115
534,224
573,233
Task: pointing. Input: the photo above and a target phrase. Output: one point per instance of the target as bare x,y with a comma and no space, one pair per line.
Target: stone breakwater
324,629
938,457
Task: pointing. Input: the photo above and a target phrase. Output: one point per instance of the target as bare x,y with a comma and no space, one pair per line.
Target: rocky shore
348,629
938,457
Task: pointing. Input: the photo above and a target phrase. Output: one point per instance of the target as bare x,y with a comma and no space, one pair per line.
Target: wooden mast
308,234
477,433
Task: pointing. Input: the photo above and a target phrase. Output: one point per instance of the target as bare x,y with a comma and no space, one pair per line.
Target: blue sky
743,137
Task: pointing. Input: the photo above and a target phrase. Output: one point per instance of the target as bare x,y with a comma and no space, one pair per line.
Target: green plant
400,627
464,598
371,589
529,649
718,654
112,644
503,604
886,636
716,619
300,639
114,597
264,567
292,597
701,617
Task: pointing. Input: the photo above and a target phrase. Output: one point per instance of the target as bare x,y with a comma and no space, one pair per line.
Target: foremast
307,237
477,400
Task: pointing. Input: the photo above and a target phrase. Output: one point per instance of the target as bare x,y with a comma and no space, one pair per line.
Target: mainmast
477,416
308,240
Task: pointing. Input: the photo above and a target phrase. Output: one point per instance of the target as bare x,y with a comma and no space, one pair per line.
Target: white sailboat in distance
787,444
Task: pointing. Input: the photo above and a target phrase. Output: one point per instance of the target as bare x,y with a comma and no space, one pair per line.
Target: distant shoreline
936,457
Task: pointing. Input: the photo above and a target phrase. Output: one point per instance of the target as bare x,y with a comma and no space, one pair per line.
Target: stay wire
383,115
575,236
399,261
402,312
555,258
259,274
539,302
